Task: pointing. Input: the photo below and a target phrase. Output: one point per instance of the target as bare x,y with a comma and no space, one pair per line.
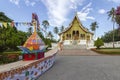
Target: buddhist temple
76,34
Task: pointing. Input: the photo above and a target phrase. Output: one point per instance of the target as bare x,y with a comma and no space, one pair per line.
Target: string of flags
29,24
16,24
12,24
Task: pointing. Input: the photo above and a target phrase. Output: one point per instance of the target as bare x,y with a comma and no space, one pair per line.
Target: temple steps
74,47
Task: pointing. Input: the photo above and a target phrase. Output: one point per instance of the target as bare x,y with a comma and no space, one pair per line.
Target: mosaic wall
29,72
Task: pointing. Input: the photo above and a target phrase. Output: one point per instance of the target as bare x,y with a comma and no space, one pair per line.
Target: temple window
69,36
73,32
88,37
77,33
82,36
66,36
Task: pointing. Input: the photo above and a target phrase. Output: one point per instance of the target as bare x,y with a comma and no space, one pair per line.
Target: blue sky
61,12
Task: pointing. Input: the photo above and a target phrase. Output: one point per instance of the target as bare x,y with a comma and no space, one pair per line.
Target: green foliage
30,30
10,38
46,41
45,23
111,14
56,30
108,37
107,51
8,58
4,18
98,43
94,25
50,35
62,28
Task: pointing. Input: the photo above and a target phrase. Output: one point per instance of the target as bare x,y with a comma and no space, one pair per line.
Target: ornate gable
74,22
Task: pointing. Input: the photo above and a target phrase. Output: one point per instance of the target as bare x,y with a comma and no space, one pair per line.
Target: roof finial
75,11
34,24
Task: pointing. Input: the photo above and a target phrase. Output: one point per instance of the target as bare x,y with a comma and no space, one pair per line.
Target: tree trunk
113,34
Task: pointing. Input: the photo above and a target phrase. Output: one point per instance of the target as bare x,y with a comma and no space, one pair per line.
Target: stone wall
110,45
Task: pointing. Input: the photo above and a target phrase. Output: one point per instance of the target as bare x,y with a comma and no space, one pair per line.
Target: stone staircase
74,47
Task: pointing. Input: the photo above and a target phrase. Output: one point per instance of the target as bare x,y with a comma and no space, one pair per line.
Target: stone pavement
78,52
84,68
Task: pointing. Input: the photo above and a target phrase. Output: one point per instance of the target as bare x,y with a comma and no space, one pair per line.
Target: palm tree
56,31
45,23
30,31
62,28
50,35
111,14
94,25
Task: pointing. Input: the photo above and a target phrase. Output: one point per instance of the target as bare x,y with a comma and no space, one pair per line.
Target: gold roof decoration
70,25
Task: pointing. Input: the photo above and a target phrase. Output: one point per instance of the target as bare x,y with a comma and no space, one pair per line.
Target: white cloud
29,3
101,11
16,2
116,1
59,9
83,14
75,3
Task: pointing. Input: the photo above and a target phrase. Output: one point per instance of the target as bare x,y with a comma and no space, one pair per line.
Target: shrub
98,43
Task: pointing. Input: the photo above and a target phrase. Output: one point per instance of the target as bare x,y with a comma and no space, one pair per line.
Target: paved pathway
84,68
76,52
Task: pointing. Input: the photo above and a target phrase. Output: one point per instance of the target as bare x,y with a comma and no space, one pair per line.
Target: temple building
76,34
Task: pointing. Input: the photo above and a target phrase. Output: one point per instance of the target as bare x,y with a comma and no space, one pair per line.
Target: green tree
62,28
22,37
10,37
46,41
111,15
45,24
94,25
50,34
56,31
98,43
107,37
30,30
4,18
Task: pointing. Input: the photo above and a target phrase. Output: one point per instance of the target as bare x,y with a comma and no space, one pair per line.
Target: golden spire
35,24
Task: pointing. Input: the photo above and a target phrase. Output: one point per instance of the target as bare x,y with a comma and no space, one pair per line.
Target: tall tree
4,18
107,37
45,23
56,31
30,30
62,28
94,25
50,35
111,15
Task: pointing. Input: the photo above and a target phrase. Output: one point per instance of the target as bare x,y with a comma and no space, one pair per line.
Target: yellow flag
30,48
4,24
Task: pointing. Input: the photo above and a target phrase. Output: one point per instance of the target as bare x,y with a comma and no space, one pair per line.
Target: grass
10,52
108,51
9,56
